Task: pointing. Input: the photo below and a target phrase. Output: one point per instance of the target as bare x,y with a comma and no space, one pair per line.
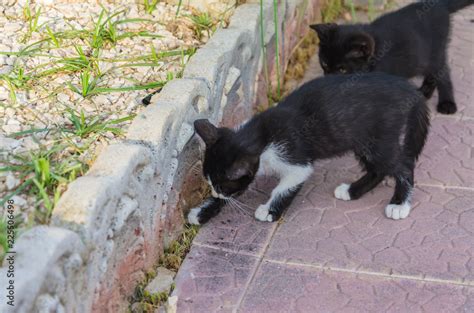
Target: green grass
32,18
44,176
88,83
352,9
83,126
331,10
264,52
277,48
272,95
150,6
4,247
371,10
15,80
3,239
203,22
180,2
44,173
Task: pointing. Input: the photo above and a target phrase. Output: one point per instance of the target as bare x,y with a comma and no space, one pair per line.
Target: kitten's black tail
456,5
417,128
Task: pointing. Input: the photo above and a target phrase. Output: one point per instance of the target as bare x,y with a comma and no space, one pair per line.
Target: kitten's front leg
283,195
210,208
274,208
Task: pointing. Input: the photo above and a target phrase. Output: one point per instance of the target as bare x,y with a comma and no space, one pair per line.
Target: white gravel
44,101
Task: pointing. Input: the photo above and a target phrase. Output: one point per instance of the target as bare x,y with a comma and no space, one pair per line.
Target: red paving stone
327,255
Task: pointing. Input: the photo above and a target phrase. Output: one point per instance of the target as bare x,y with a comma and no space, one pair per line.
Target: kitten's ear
242,167
207,131
362,46
324,31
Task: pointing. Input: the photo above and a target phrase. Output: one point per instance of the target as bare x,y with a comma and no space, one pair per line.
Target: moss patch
142,301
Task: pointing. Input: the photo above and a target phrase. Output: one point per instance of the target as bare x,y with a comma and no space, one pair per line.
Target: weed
52,36
180,2
277,46
262,44
331,10
371,10
150,6
202,22
353,11
3,239
83,126
32,19
44,176
88,84
5,246
77,63
15,80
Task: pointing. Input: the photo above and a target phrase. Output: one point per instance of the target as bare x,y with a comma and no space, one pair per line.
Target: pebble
162,282
12,126
12,27
12,181
19,201
8,144
62,97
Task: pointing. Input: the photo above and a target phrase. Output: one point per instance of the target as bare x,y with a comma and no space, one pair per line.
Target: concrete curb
112,224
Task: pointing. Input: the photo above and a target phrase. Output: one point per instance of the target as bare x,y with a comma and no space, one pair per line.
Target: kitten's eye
342,70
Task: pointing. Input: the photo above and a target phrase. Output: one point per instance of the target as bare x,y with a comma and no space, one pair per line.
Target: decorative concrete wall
112,224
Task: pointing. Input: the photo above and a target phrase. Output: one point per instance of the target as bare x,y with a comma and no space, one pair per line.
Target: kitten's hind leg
210,208
358,188
283,194
428,86
446,104
400,204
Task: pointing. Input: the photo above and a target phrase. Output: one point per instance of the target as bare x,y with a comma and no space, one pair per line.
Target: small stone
12,27
10,61
101,100
62,97
19,201
162,282
12,182
8,144
4,92
171,305
12,126
29,143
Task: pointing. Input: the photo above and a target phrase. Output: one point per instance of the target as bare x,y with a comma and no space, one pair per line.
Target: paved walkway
328,255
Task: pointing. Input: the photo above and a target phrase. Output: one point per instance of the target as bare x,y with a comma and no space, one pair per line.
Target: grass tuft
203,22
150,6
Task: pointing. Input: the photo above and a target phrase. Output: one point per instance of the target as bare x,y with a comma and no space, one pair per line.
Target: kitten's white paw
193,216
398,211
262,214
342,192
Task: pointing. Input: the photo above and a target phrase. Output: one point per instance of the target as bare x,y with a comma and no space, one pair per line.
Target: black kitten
383,119
408,42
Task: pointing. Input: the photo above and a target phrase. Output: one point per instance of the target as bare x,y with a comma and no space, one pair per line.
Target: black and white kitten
409,42
383,119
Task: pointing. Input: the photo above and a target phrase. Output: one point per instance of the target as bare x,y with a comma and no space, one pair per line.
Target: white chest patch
272,162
